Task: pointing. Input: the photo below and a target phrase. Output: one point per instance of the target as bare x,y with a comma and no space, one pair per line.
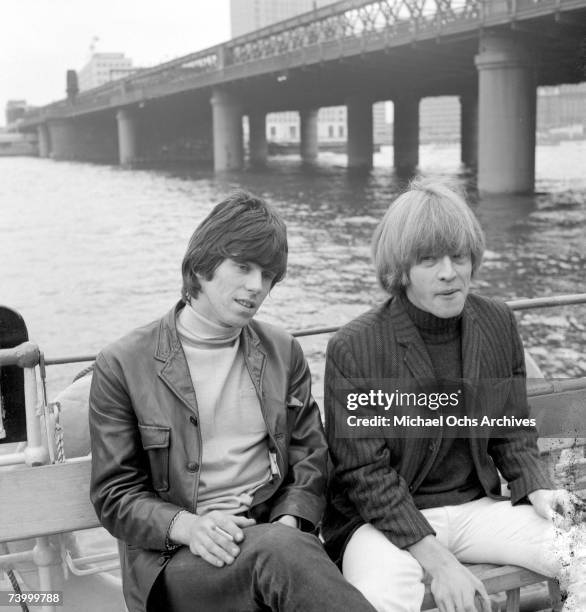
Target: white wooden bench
45,500
40,503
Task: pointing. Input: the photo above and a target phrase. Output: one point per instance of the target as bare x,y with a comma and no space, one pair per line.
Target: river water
89,252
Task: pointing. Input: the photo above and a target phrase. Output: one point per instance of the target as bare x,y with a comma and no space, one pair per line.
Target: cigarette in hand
224,533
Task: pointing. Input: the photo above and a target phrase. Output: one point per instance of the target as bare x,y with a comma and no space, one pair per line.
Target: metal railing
522,304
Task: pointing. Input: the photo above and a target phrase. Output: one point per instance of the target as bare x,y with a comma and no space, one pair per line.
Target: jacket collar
254,356
175,371
168,340
416,356
472,344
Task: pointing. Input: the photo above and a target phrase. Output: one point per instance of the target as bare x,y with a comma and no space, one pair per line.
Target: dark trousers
279,568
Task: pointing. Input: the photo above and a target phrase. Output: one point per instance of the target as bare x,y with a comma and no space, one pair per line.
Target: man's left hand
554,504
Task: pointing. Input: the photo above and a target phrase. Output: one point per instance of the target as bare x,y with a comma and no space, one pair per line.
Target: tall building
102,68
249,15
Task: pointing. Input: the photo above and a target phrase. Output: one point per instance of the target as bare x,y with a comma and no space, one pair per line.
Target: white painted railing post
35,452
46,558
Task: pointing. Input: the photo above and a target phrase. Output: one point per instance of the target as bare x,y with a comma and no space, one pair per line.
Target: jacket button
193,420
192,466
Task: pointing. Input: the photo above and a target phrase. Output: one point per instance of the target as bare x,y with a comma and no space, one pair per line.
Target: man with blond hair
415,488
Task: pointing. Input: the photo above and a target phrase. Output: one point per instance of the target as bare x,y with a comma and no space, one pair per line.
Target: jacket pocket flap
293,402
154,436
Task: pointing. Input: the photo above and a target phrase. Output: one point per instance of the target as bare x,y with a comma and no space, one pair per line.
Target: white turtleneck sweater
235,456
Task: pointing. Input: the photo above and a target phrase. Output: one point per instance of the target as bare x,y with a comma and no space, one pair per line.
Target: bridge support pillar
309,136
44,142
406,132
506,114
258,147
469,128
227,122
360,138
63,138
127,136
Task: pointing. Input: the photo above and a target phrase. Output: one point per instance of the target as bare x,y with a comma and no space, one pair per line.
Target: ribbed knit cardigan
373,478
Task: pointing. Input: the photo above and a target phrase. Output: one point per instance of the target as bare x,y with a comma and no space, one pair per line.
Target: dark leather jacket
146,443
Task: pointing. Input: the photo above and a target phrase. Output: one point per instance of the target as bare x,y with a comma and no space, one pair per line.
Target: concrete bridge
491,53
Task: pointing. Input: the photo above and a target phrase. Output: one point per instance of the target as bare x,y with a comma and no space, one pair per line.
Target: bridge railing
352,19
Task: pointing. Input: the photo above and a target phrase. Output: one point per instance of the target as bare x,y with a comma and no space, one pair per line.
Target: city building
102,68
11,141
14,110
382,123
249,15
561,111
561,114
439,119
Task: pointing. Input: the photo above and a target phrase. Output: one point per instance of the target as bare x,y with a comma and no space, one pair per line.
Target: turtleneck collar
432,328
196,328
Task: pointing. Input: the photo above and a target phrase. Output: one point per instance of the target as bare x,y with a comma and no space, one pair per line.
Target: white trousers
481,531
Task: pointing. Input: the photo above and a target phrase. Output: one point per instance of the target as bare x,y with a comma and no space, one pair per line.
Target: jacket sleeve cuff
408,534
305,506
527,483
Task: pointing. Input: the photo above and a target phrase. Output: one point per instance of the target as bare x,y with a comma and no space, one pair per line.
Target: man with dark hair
208,453
424,498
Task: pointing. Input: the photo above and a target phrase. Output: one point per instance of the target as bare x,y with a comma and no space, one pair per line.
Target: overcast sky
41,39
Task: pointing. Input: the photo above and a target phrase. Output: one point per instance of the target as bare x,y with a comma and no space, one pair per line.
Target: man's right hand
214,537
454,588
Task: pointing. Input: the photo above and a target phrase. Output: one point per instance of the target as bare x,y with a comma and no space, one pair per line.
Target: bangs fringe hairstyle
242,227
430,219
